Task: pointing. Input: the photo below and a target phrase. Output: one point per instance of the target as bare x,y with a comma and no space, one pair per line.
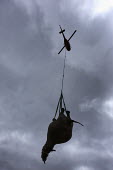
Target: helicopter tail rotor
61,31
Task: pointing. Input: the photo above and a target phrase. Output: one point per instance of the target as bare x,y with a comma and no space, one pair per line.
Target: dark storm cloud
18,73
30,75
13,160
92,78
25,73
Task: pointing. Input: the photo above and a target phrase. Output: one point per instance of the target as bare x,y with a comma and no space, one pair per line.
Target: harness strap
60,103
57,106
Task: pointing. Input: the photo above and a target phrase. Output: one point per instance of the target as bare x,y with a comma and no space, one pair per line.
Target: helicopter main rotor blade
61,50
72,35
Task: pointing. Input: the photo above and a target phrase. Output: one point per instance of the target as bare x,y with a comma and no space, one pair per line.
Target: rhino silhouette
59,131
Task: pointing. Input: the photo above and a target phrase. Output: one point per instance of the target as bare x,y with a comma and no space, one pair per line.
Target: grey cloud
30,75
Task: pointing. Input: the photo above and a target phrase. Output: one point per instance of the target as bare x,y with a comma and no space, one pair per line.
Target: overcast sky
30,82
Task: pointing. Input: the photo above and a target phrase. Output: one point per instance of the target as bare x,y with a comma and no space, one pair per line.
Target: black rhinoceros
59,131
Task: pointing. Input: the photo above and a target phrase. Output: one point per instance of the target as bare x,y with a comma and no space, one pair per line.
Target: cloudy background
30,82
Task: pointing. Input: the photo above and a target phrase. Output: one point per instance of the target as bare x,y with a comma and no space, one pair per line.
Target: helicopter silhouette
66,42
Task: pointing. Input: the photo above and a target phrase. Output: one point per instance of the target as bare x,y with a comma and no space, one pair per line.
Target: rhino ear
53,150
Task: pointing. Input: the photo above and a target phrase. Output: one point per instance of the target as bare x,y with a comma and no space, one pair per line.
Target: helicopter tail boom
61,31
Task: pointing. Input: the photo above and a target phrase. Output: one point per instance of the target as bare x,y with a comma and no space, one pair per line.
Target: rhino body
60,130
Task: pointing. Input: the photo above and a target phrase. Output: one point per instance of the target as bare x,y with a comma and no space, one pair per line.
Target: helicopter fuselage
67,44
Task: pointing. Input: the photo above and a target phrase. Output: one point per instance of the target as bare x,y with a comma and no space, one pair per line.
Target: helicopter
66,42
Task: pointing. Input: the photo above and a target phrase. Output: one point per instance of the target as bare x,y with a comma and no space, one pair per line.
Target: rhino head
47,148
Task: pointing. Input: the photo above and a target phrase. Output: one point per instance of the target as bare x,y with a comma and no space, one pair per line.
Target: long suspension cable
61,96
63,72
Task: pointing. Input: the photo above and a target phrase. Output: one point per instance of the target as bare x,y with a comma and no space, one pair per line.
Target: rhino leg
77,122
68,114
